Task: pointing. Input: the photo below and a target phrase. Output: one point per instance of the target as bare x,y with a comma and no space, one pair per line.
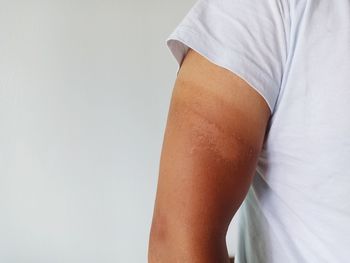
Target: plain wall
84,93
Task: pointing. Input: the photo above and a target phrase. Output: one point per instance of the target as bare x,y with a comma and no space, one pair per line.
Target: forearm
187,249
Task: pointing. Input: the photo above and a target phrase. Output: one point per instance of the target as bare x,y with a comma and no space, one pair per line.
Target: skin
214,134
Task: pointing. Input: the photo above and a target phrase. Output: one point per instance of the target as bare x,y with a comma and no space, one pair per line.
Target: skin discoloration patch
205,117
208,134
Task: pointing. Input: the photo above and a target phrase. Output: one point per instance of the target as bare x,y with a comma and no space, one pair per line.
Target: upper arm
214,134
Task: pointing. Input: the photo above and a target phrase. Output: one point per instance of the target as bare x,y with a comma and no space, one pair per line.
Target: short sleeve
247,37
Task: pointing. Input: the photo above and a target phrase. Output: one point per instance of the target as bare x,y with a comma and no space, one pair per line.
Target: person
258,122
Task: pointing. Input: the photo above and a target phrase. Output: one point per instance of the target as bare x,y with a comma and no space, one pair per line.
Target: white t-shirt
296,54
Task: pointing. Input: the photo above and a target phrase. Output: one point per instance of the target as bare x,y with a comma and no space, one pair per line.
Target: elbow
157,242
169,243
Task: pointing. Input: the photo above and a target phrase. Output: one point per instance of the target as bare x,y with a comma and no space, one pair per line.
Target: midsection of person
298,207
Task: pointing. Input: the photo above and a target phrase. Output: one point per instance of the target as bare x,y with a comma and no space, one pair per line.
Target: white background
84,93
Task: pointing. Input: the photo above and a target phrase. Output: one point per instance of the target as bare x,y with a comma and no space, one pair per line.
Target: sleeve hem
185,37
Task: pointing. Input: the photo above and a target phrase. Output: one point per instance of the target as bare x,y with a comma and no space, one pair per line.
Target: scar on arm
204,115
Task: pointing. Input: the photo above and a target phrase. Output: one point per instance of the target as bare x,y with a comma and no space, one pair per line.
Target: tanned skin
214,134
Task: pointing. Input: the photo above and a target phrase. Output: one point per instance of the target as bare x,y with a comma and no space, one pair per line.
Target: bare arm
214,134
